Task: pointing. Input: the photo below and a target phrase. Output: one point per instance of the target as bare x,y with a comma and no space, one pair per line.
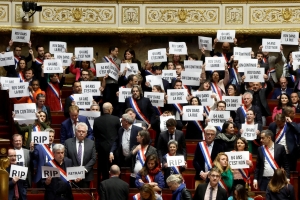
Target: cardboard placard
168,75
40,137
178,48
91,115
102,69
192,113
57,47
19,171
271,45
204,97
52,66
289,38
124,93
193,65
232,102
50,172
157,55
132,68
7,58
91,87
156,98
83,101
175,161
296,58
249,132
217,118
84,53
20,156
177,96
226,36
190,78
163,120
113,72
24,111
75,172
6,81
247,63
242,53
205,42
154,80
19,35
254,74
19,90
214,64
237,159
65,58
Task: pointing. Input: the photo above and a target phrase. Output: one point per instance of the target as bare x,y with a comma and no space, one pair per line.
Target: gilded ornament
3,150
287,14
131,15
234,15
182,14
2,13
77,14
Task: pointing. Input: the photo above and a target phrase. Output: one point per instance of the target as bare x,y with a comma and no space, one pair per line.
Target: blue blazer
158,178
22,187
66,129
277,92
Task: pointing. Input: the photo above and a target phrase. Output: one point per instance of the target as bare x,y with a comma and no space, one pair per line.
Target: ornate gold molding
19,14
234,15
131,15
4,13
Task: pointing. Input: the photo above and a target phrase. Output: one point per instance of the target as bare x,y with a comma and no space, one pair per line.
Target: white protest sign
226,35
156,98
6,81
296,58
204,97
18,35
190,78
154,80
205,42
163,120
75,172
84,53
157,55
20,156
249,132
217,118
65,58
247,63
50,171
214,63
83,100
7,59
168,75
254,74
91,115
237,159
290,38
25,111
19,90
113,72
91,87
57,47
174,161
232,102
19,171
40,137
26,122
177,96
138,125
102,69
193,65
271,45
178,48
192,113
241,53
53,66
124,93
132,68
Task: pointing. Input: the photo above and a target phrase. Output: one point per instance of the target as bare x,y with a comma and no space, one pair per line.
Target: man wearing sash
58,188
77,89
270,156
39,61
41,154
206,152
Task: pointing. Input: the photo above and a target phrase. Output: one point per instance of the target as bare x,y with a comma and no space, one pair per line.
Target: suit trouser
103,165
263,183
292,159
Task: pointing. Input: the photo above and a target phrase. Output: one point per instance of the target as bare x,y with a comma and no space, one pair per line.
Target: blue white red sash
149,179
141,156
137,196
21,76
63,174
56,92
31,96
293,78
200,128
71,97
109,60
187,88
244,111
280,134
158,110
216,89
137,110
47,151
265,60
147,72
224,56
206,110
39,61
269,157
175,169
245,176
206,155
178,107
36,128
223,185
17,59
235,75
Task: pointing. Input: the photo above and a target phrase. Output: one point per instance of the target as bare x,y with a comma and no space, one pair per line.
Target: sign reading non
290,38
271,45
113,72
40,137
214,63
91,87
192,113
178,48
177,96
204,97
124,93
193,65
249,131
83,100
65,58
169,75
156,98
217,118
232,102
254,74
57,47
102,69
190,78
25,111
53,66
84,53
18,90
205,42
237,159
226,35
18,171
157,55
247,63
50,172
174,161
18,35
75,172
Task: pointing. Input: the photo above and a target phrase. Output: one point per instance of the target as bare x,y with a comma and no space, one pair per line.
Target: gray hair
210,128
128,118
49,130
176,178
58,147
268,133
81,124
173,142
248,93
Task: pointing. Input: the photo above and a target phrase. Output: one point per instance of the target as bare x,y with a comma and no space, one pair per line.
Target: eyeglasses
215,176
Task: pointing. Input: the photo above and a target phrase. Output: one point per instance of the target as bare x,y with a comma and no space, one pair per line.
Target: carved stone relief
4,13
234,15
130,15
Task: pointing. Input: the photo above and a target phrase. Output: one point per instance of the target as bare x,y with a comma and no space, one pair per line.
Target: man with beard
38,61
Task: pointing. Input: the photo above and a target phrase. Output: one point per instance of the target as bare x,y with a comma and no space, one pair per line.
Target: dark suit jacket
66,129
277,92
279,156
298,108
295,73
114,188
11,69
199,163
240,118
201,189
68,103
166,85
163,140
22,188
89,155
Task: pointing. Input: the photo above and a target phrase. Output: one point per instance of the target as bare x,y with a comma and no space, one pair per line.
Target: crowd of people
120,137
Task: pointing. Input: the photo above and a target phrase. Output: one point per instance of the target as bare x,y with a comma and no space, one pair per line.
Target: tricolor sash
178,107
36,128
138,112
224,56
149,179
21,76
206,110
47,151
235,75
17,59
56,92
280,134
158,110
216,89
199,127
137,196
111,61
187,88
245,176
269,158
31,96
223,185
39,61
293,78
174,168
265,60
141,156
206,155
147,72
63,174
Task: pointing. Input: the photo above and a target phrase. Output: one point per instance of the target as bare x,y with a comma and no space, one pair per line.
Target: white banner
192,113
290,38
124,93
18,90
163,120
113,72
25,111
57,47
83,100
174,161
205,42
178,48
249,132
271,45
20,156
214,64
84,53
19,171
156,98
204,97
91,87
50,172
75,172
226,35
217,118
241,53
53,66
40,137
247,63
157,55
232,102
18,35
254,74
177,96
190,78
91,115
7,58
65,58
237,159
193,65
102,69
155,80
6,81
169,75
132,68
296,58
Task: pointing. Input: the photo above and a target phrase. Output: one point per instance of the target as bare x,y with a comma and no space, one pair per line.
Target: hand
281,48
73,103
140,180
249,162
111,157
30,88
203,175
31,146
147,84
29,44
216,40
203,50
117,94
252,54
207,120
37,115
10,43
78,180
230,119
15,179
30,51
188,97
106,76
185,164
255,184
231,58
165,165
73,59
266,77
258,65
243,78
260,47
94,61
235,41
288,119
101,89
241,131
213,96
257,132
149,126
48,180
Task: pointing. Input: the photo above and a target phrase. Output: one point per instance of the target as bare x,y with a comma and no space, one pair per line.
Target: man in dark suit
295,101
264,170
67,129
58,188
82,152
283,89
211,190
171,134
77,89
199,162
114,188
106,130
125,141
131,112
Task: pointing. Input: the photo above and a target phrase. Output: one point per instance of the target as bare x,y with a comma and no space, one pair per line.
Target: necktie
16,191
79,153
211,193
171,137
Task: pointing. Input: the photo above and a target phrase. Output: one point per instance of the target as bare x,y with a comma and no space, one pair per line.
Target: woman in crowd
283,101
35,90
242,176
83,65
221,162
227,136
40,106
129,57
139,154
173,146
18,72
179,190
232,91
239,193
171,66
151,173
279,188
146,193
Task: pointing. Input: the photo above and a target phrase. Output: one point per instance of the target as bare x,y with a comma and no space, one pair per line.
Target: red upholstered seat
259,197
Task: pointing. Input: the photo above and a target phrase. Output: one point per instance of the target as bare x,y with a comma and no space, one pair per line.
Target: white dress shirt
268,170
126,141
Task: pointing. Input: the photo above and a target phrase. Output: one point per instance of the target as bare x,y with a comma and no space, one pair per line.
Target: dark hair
287,110
193,56
75,82
279,117
139,89
171,122
236,93
225,126
177,81
221,102
18,65
131,51
199,102
51,75
84,70
181,65
278,181
241,192
211,80
201,88
147,188
144,171
244,141
146,137
258,52
129,109
289,103
215,169
288,57
38,46
34,80
154,68
158,87
268,133
111,48
18,46
46,120
130,77
39,96
89,64
29,69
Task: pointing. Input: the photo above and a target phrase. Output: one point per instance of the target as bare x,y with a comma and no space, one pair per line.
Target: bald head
283,82
107,108
114,170
226,47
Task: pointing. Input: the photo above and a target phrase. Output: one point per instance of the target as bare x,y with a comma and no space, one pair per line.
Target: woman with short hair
179,190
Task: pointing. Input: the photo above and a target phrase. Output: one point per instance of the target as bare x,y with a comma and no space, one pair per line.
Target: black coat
114,188
201,189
